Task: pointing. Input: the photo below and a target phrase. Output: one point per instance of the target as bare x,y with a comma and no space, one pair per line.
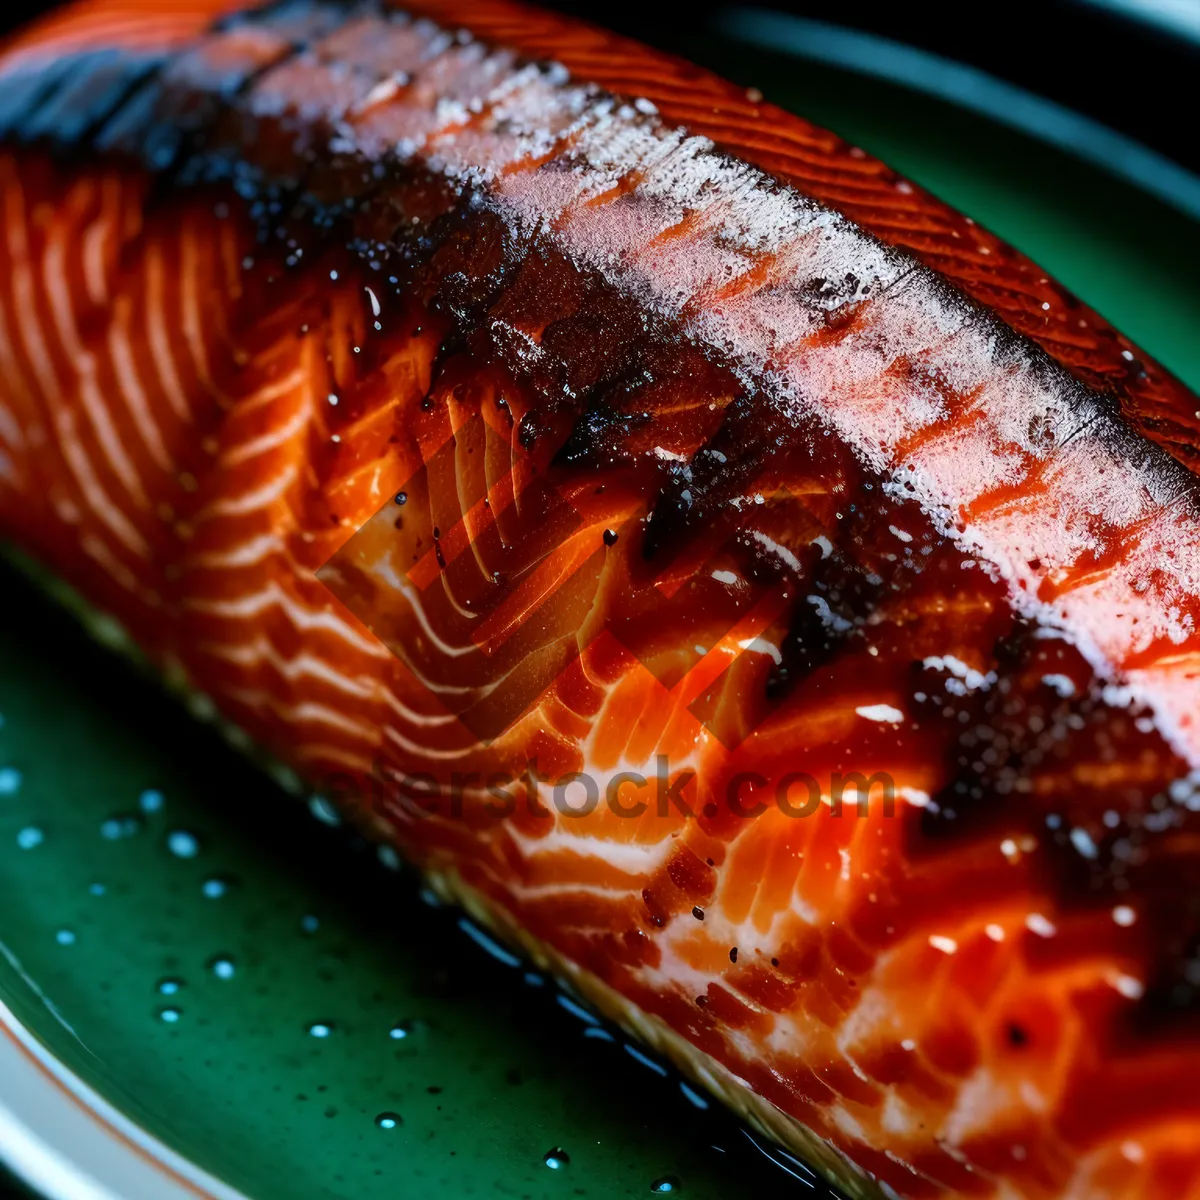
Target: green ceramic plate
241,1001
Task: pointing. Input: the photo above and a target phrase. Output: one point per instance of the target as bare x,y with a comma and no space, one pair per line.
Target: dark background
11,1190
1132,75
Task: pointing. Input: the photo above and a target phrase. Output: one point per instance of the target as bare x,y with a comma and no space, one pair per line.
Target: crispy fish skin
586,473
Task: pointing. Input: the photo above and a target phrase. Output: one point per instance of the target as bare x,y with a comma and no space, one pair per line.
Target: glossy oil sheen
237,1081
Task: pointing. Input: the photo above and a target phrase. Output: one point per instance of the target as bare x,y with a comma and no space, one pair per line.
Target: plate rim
107,1155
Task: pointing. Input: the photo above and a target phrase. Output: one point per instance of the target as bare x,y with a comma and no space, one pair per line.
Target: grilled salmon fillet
737,578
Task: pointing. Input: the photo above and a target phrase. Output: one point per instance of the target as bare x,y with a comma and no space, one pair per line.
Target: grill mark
96,86
169,121
24,91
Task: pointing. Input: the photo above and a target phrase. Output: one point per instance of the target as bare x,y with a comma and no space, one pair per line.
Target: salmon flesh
743,582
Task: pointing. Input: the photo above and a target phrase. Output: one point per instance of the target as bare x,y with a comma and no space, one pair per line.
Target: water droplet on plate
65,937
402,1030
120,826
320,1029
151,801
223,967
97,889
10,781
216,887
183,844
666,1185
309,924
388,1120
170,1016
30,837
168,987
557,1158
321,808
